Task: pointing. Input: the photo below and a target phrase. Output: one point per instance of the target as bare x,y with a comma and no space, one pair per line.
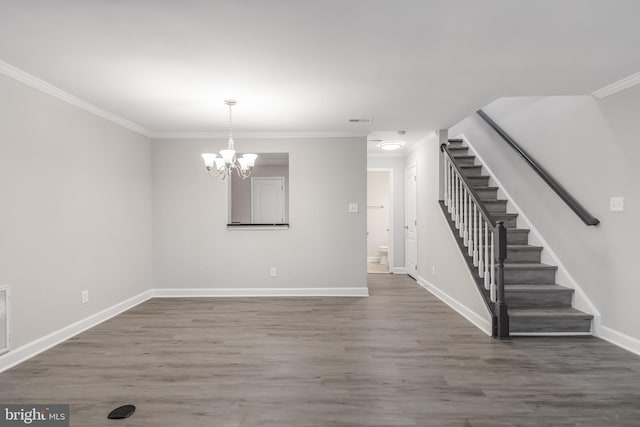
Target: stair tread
568,312
464,156
530,266
504,214
485,188
543,287
530,247
470,167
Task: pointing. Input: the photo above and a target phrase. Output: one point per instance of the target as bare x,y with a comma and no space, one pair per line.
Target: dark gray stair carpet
537,305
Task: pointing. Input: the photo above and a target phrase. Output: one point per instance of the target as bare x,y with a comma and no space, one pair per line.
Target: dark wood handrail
573,204
472,192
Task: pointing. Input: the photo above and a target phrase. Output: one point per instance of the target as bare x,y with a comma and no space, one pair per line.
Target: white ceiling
309,65
410,139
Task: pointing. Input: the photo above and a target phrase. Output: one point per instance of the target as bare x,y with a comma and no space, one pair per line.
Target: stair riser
455,150
477,181
456,143
488,194
497,207
537,325
514,237
538,299
465,161
523,255
472,171
513,276
517,237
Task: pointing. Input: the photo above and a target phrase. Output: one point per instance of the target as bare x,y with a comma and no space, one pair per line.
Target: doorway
411,222
267,200
379,220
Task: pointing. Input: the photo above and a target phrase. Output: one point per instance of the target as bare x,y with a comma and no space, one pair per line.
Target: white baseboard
550,334
621,340
27,351
398,270
373,259
261,292
480,322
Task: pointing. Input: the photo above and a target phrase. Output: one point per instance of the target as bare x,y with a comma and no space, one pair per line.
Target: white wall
324,247
378,210
397,165
591,148
76,211
437,248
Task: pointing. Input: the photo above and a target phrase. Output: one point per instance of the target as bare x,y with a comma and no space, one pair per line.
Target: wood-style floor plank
398,358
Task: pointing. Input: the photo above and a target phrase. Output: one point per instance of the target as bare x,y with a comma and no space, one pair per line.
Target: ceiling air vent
360,120
4,319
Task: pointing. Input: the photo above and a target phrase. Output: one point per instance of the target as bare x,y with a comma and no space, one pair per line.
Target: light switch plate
616,204
353,208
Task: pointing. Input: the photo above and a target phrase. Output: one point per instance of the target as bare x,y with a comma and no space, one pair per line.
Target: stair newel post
500,304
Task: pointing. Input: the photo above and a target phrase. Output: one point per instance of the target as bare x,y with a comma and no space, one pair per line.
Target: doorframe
283,193
406,192
392,240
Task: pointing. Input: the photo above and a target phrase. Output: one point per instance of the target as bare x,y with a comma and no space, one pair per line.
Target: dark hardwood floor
397,358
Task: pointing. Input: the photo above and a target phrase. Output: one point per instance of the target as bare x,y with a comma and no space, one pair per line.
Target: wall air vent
4,319
360,120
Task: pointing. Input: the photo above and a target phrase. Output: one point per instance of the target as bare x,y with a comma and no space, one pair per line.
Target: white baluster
446,182
472,206
459,212
463,220
456,206
469,225
475,235
493,268
480,252
487,279
451,184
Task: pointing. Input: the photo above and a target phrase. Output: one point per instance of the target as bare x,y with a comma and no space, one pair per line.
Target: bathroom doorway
379,220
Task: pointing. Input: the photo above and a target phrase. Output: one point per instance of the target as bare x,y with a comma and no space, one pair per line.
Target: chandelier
223,166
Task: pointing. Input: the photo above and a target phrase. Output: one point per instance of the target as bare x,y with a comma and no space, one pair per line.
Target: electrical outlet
273,272
433,270
616,204
353,208
85,297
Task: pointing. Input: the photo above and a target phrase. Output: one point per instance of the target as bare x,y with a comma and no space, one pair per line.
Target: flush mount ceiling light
227,162
391,145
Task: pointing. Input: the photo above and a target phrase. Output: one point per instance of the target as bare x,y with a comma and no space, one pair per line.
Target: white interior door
411,222
267,200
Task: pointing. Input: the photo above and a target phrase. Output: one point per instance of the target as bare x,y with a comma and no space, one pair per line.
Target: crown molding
36,83
618,86
254,135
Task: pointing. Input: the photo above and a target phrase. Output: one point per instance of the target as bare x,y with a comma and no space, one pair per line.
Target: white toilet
384,250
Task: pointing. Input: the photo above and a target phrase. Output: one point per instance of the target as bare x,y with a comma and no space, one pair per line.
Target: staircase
536,304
